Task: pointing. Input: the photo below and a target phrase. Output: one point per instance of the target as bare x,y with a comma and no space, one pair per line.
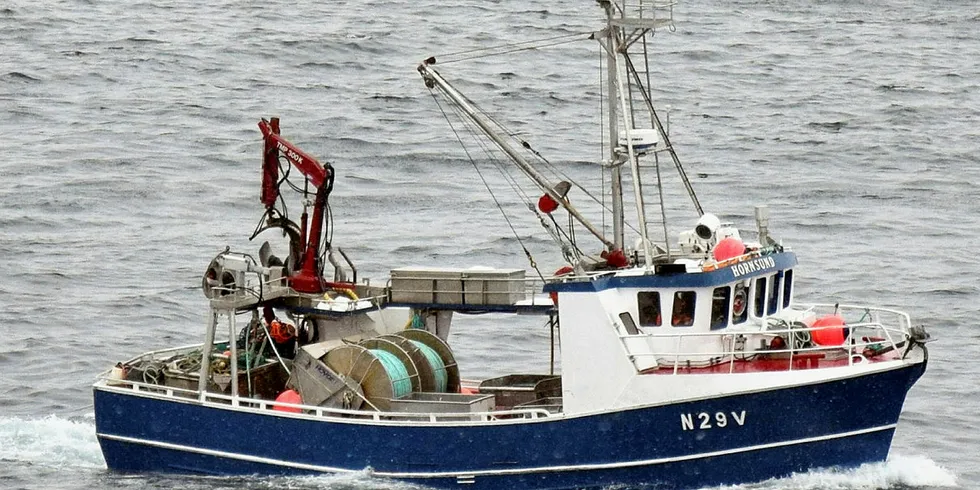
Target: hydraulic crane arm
308,277
274,144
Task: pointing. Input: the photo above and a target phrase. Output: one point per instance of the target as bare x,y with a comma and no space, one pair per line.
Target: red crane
307,277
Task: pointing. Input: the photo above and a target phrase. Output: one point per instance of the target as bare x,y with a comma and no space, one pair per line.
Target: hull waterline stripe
472,473
224,454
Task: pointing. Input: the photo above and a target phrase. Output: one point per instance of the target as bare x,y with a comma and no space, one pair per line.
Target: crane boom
308,278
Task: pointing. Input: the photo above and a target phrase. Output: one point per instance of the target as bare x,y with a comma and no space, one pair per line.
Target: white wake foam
899,471
50,441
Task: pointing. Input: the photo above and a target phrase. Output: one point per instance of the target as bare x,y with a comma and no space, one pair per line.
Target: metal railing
868,333
649,14
256,405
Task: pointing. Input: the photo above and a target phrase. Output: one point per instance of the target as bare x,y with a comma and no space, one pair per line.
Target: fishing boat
677,361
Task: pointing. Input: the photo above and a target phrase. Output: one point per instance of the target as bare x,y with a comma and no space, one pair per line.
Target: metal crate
457,286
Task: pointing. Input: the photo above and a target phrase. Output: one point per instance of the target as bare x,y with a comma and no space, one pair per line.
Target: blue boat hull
733,439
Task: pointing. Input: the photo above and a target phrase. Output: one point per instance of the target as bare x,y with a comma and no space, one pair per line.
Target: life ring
739,301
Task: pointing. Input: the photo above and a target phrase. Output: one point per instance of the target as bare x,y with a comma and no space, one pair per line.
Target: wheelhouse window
774,293
787,287
740,304
682,313
720,299
648,306
628,323
760,297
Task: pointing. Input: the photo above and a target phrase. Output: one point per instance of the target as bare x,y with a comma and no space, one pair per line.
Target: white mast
627,22
616,163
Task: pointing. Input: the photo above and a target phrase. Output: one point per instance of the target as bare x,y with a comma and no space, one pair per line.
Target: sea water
130,157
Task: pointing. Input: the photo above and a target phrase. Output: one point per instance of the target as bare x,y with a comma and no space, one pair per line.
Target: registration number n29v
717,420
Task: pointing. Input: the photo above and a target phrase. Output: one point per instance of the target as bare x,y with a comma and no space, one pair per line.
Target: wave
144,40
16,76
898,472
60,443
362,480
50,441
832,127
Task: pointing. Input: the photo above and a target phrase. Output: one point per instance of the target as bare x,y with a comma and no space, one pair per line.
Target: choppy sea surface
129,157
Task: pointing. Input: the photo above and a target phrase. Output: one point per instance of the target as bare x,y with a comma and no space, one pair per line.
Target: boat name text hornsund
703,420
746,267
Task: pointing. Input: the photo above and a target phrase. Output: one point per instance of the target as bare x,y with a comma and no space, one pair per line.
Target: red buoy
727,248
288,396
615,258
564,270
827,335
546,204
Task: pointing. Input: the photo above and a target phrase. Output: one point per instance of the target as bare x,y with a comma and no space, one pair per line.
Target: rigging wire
666,139
491,153
637,93
570,250
527,146
501,167
663,209
547,164
510,48
527,252
555,170
602,139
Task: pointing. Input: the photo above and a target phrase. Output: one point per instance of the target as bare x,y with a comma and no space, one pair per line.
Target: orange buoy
280,332
826,335
288,396
727,248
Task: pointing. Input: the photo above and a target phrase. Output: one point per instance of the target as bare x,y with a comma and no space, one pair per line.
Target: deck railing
648,14
880,330
267,406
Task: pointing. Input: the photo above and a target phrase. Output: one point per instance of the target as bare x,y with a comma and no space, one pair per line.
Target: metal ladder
640,21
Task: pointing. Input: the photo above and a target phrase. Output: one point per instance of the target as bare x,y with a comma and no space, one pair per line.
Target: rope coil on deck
401,384
438,367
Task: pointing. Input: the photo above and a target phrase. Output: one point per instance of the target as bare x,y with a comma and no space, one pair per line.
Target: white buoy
117,375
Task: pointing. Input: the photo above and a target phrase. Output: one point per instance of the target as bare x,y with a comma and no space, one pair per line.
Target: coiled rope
401,385
438,367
